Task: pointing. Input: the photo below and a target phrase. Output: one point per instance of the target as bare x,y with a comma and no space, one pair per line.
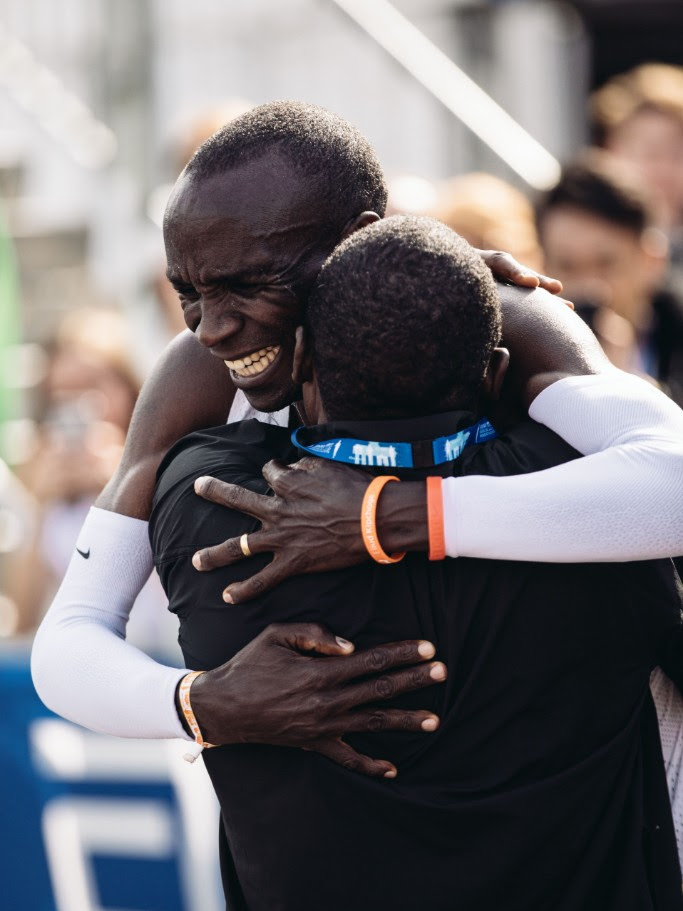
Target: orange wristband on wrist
368,517
437,538
184,699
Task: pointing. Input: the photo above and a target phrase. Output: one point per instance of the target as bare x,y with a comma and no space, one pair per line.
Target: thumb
276,473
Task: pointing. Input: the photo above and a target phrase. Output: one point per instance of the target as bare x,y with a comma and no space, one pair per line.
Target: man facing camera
542,784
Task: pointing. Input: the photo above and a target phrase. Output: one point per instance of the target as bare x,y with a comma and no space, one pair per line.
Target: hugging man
543,786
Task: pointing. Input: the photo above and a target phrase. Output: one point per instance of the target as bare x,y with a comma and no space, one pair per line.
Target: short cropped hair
404,315
602,186
346,176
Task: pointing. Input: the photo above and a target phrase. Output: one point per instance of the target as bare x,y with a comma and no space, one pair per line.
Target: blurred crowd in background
96,127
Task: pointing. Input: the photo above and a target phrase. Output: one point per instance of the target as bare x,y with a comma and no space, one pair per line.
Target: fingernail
197,560
227,597
198,484
344,643
438,672
430,724
392,773
426,649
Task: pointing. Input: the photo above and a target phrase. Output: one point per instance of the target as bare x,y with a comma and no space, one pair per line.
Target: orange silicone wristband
368,516
184,698
437,539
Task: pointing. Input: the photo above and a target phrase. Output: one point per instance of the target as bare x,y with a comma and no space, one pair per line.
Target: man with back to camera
250,222
543,786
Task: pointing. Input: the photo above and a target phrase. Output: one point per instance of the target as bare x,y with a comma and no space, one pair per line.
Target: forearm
82,666
624,501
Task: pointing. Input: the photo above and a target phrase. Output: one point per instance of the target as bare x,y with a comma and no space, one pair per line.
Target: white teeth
255,363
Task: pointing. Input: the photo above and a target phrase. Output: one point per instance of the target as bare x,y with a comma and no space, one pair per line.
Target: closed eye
186,293
251,289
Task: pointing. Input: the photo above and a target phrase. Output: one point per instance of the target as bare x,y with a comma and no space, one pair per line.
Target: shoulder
233,452
188,389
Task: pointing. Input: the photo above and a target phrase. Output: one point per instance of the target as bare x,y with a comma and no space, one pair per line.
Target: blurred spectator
597,233
491,214
638,116
87,401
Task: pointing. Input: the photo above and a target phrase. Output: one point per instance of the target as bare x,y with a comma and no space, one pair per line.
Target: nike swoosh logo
84,553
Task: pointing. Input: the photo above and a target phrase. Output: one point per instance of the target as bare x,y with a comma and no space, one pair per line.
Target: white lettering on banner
374,454
454,446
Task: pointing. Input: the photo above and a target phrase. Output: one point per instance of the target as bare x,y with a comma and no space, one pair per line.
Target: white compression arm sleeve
624,501
82,666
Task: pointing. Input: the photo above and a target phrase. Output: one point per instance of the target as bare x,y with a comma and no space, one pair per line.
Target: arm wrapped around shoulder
623,501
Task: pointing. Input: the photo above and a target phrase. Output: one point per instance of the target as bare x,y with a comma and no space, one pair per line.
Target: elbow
41,666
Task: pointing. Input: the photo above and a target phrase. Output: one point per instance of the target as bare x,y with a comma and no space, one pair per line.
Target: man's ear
495,374
357,222
302,364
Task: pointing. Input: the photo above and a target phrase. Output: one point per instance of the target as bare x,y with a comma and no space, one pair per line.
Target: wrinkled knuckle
255,585
418,677
377,721
233,548
235,495
375,660
409,653
384,688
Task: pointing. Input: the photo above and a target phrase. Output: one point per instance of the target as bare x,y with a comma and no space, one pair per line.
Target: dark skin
243,252
547,341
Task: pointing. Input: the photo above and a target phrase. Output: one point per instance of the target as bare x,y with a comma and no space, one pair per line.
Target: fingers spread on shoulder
553,285
258,584
506,268
234,496
230,551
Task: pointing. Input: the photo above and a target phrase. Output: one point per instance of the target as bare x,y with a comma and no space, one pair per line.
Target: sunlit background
473,107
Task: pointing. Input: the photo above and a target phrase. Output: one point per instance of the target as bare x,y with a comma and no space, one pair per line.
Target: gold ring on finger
244,544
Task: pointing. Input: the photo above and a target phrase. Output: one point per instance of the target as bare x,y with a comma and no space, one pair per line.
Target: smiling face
244,248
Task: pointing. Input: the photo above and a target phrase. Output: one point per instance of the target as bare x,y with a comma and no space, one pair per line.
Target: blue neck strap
422,454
